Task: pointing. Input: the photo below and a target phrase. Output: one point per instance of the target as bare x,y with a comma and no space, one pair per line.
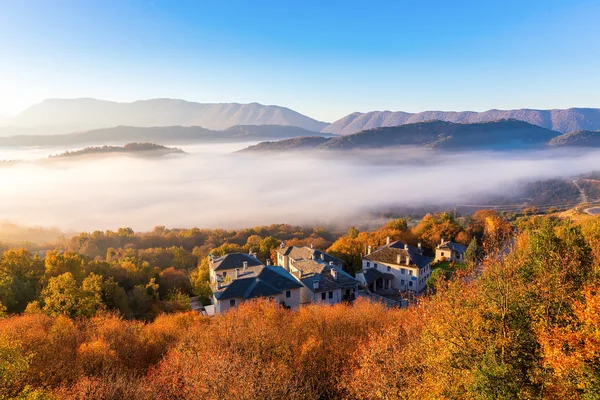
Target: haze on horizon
213,188
322,60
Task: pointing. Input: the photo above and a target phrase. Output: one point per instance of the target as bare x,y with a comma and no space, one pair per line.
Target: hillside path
582,194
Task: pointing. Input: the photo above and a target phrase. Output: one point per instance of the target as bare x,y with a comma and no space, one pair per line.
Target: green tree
473,253
353,232
64,296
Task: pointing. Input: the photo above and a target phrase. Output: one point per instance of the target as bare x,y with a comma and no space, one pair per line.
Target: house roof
325,284
306,253
452,246
372,274
269,281
233,261
326,272
389,254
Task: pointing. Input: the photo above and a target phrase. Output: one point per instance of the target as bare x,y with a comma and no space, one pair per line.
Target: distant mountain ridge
564,121
86,114
166,135
495,135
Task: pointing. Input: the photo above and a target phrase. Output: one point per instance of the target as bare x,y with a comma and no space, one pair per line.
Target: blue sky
322,58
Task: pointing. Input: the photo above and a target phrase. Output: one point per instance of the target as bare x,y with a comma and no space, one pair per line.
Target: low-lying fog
211,187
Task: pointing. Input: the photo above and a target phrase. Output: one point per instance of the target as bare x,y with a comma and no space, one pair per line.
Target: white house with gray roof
397,266
450,251
322,275
266,281
230,266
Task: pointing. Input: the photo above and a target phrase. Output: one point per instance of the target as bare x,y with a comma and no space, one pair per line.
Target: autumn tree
64,295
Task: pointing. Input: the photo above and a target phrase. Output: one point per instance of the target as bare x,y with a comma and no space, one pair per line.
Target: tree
352,232
473,254
64,296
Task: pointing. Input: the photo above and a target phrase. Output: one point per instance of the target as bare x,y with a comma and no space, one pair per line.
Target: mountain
496,135
167,134
86,114
578,139
563,121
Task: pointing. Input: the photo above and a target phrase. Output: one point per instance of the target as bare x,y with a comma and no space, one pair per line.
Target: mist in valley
212,187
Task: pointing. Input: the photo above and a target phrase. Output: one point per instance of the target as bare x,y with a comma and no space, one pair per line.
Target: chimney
407,259
323,256
387,240
268,261
315,284
245,265
334,274
312,246
398,259
419,246
369,249
236,273
442,240
282,245
405,246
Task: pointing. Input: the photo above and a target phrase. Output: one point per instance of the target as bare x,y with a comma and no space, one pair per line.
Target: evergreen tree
473,253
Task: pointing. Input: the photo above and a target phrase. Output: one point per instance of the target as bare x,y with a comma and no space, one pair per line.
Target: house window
224,274
410,272
389,268
410,283
323,296
288,294
331,295
375,265
402,282
442,254
368,264
232,303
403,271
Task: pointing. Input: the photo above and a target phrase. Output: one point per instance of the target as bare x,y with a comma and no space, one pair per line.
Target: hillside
497,135
144,149
578,139
86,114
301,143
167,134
567,120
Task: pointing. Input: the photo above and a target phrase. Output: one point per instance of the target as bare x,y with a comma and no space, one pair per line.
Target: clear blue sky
322,58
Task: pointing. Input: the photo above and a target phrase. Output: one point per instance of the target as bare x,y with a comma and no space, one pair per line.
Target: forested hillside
523,323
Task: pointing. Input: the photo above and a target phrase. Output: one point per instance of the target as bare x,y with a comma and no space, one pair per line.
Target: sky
324,59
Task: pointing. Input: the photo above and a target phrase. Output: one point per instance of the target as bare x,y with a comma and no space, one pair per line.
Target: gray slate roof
389,254
372,274
452,246
234,260
269,281
305,253
319,270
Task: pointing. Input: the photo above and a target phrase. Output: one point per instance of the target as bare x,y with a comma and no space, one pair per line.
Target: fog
211,187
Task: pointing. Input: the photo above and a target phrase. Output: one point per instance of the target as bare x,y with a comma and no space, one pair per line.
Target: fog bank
212,188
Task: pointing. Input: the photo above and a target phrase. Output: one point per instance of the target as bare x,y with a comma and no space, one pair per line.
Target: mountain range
72,115
564,121
63,116
496,135
165,134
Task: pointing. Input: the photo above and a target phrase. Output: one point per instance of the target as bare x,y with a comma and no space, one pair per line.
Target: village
394,274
